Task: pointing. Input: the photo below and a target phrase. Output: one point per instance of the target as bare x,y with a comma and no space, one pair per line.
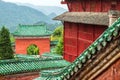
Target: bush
33,50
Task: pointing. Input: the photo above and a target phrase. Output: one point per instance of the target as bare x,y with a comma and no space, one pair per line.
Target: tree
59,34
6,51
33,50
59,47
58,31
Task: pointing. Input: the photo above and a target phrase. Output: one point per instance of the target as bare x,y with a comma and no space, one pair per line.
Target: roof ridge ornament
113,16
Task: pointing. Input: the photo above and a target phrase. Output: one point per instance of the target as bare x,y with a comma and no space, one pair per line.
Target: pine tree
6,51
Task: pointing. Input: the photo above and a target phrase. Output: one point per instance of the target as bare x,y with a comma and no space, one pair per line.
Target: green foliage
33,50
6,51
59,47
58,31
12,39
58,35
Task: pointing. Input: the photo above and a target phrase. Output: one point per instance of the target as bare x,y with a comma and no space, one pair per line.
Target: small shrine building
27,35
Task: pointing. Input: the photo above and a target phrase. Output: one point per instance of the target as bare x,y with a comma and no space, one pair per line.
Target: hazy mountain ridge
11,15
50,27
52,15
46,9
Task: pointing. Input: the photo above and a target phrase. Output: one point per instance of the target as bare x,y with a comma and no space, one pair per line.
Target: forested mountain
11,15
46,9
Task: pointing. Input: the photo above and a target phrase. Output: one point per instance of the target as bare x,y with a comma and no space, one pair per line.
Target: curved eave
45,35
31,35
96,18
104,58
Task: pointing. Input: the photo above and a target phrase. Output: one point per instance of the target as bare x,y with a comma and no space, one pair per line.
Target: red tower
26,35
83,23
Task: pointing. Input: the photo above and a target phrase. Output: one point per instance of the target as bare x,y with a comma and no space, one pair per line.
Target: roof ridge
29,60
31,25
32,30
97,45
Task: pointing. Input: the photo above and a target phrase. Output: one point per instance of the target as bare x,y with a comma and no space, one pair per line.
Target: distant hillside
11,15
52,15
46,9
50,27
50,9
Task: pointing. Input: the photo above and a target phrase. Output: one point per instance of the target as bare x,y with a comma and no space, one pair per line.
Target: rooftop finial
113,16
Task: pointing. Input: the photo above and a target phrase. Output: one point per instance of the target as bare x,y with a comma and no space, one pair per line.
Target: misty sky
39,2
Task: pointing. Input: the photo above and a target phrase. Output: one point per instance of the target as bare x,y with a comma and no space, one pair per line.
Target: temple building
91,41
85,21
27,35
100,61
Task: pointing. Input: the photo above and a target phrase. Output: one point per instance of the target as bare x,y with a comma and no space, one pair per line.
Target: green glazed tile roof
53,42
49,73
30,64
48,78
22,56
100,43
52,55
32,31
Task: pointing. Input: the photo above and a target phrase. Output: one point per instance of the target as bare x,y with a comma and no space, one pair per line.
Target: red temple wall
70,42
77,37
92,5
22,44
